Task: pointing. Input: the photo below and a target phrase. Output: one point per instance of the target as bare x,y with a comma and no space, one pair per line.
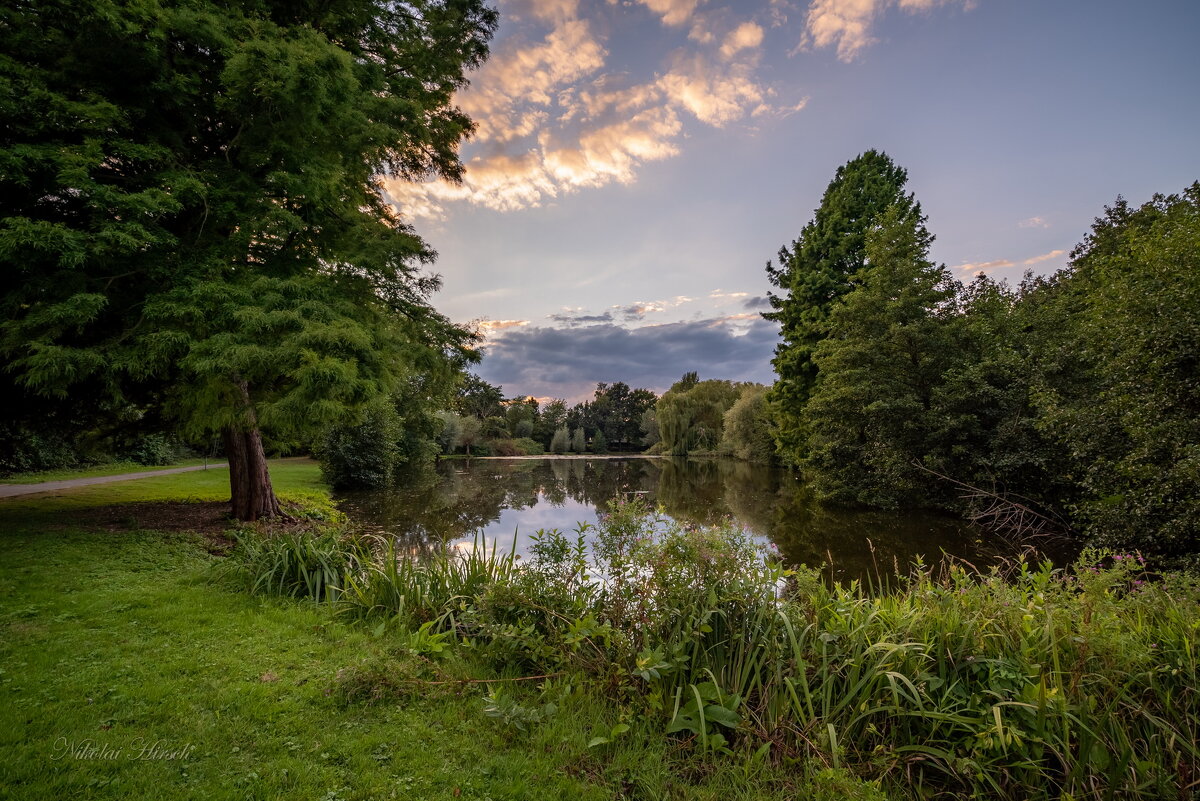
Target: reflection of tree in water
690,490
465,496
442,505
858,543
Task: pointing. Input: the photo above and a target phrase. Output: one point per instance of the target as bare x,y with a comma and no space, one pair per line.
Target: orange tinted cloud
847,24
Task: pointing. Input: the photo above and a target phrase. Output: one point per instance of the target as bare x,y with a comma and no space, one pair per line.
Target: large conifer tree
191,198
816,271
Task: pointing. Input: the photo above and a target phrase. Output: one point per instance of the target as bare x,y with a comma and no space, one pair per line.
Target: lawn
133,664
106,469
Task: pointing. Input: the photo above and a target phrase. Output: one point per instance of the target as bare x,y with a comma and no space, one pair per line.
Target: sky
637,162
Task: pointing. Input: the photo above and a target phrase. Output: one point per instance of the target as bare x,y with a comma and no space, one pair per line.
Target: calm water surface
509,499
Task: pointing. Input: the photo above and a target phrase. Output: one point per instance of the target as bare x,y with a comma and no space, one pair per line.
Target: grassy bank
134,664
1019,684
137,664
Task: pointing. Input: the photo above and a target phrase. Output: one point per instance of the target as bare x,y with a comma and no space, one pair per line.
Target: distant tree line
480,421
1075,397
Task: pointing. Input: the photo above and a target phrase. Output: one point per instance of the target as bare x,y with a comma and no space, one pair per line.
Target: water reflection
508,500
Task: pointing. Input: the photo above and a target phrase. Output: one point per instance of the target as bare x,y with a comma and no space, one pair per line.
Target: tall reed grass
1029,683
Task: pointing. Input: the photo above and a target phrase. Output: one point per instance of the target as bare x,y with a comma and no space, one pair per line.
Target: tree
561,441
816,272
617,411
599,443
1119,384
192,201
478,398
692,419
748,432
551,417
578,441
649,428
448,436
872,412
470,433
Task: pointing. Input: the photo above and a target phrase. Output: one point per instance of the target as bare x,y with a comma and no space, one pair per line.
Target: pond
510,499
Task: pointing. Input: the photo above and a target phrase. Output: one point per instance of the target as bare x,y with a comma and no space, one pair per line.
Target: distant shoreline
462,457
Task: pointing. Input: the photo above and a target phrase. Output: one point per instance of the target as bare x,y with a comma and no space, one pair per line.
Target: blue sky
637,162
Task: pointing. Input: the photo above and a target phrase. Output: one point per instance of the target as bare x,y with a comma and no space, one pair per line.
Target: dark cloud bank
567,362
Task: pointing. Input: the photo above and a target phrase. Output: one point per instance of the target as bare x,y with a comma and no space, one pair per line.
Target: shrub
503,447
366,454
153,449
23,450
530,447
1031,683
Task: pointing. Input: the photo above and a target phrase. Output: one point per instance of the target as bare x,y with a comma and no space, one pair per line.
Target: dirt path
8,490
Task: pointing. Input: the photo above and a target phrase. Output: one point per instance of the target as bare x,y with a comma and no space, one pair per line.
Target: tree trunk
251,496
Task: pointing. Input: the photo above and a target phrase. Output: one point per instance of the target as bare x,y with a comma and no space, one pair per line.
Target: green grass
290,476
94,471
115,642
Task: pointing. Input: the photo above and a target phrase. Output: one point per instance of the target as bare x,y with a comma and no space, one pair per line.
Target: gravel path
8,490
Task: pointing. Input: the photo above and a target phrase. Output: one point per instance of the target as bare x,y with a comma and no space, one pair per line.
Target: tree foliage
192,198
872,412
816,271
691,415
749,427
1125,397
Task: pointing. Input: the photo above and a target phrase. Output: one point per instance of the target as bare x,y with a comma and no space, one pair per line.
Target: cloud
612,153
759,302
746,36
523,75
1054,254
553,119
672,12
637,311
491,326
847,24
716,96
985,266
573,319
1034,222
567,363
1000,264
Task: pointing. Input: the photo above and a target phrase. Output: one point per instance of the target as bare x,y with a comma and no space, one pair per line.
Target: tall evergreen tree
889,345
191,199
816,271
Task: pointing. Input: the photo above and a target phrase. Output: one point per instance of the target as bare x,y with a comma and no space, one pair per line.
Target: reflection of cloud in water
524,523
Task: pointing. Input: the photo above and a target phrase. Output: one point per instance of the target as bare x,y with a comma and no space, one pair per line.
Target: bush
530,447
23,450
366,454
153,449
502,447
1039,683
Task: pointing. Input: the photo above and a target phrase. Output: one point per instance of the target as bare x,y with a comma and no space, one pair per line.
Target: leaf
723,716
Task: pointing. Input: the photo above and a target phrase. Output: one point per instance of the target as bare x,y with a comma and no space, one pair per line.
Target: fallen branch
1002,513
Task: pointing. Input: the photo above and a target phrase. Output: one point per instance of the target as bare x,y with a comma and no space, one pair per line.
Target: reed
1022,682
